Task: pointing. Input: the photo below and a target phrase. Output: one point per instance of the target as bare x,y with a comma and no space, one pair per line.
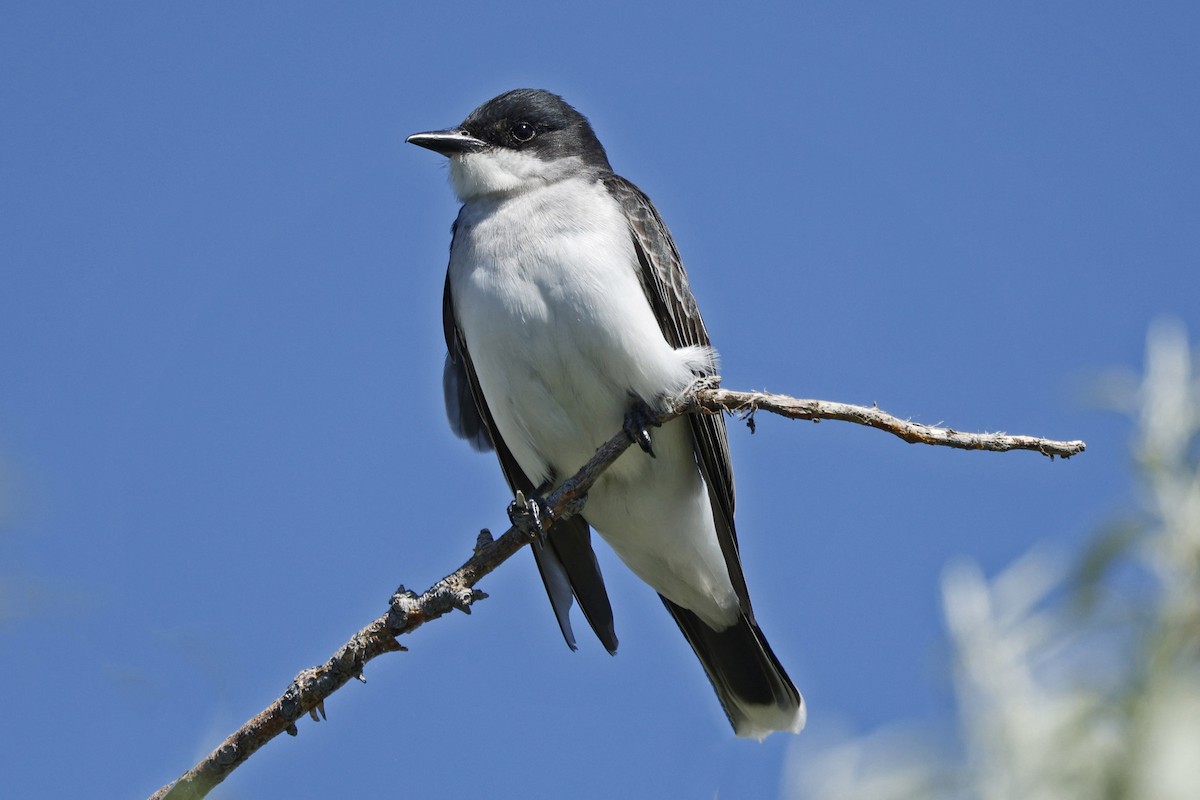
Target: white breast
546,291
558,327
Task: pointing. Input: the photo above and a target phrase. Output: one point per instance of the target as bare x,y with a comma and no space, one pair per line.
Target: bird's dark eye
523,131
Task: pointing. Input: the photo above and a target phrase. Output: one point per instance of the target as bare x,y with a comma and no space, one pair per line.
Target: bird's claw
637,420
525,514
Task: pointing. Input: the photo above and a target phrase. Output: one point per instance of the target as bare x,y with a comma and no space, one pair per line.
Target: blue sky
221,430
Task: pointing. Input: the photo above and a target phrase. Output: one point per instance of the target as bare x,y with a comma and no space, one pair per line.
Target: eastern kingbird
568,316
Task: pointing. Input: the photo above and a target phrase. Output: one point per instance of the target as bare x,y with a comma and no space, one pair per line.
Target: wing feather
669,294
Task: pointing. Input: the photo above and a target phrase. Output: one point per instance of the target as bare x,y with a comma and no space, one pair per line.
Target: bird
568,316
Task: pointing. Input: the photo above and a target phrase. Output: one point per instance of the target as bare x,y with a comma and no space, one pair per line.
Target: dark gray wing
566,560
464,417
667,290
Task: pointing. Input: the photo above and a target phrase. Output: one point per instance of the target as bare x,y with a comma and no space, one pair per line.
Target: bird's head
520,140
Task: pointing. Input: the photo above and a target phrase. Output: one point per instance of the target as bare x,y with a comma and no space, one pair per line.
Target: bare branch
307,692
716,400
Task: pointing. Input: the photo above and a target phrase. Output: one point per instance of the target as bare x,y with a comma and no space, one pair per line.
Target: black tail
757,695
569,569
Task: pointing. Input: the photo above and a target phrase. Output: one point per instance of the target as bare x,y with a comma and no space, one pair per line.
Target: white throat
500,171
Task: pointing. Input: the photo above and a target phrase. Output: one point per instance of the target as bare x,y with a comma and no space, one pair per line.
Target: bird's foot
638,418
525,514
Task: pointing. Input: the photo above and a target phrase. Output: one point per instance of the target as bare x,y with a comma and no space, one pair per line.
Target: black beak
448,143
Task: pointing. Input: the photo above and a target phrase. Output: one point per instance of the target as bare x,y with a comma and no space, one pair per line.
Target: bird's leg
525,514
638,418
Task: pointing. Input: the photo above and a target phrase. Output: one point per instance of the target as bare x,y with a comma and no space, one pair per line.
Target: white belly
564,341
